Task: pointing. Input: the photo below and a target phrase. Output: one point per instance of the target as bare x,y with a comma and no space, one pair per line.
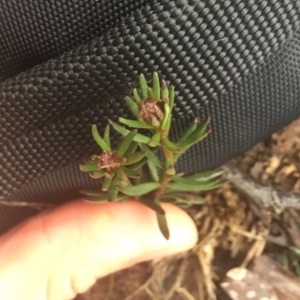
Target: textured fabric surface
34,31
235,60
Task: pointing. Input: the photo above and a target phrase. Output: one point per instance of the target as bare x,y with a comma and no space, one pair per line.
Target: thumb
79,242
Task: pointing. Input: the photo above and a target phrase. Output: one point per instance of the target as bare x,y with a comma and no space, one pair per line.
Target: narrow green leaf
138,165
154,205
140,138
110,174
106,183
189,181
89,167
133,106
156,86
139,190
191,188
97,174
163,225
92,159
204,176
192,142
190,130
124,178
295,250
112,192
137,96
119,128
150,93
164,92
99,140
171,146
130,173
135,157
132,148
151,156
171,97
166,117
198,139
168,124
144,86
93,193
93,199
153,171
122,130
199,133
155,140
106,136
126,143
135,124
177,155
154,159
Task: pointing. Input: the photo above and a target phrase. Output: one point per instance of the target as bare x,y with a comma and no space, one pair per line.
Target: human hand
62,252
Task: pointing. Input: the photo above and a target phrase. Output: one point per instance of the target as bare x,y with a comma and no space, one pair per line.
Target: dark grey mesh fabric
34,31
67,65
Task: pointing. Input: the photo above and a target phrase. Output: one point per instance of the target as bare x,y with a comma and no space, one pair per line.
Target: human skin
62,252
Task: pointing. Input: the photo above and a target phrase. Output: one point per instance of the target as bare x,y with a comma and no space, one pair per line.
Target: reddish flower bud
108,160
151,112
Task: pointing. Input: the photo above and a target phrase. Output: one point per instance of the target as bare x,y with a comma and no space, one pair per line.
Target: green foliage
133,106
144,87
135,124
137,96
134,158
155,140
124,145
139,190
123,131
193,187
163,225
99,140
156,86
106,183
134,170
153,205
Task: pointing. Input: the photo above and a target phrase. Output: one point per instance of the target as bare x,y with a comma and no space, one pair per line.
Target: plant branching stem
165,177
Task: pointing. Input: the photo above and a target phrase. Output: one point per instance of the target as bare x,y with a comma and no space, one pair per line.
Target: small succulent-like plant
133,170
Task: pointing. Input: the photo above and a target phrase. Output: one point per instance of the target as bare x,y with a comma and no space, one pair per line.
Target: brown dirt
230,233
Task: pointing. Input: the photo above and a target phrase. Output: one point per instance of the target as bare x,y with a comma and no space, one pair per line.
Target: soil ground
231,234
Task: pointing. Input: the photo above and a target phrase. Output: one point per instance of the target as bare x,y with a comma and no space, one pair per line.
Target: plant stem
169,156
164,181
165,177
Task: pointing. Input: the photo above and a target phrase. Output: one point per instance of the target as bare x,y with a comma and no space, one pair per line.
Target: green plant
133,169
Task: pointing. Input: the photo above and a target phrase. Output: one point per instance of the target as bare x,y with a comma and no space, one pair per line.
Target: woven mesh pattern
34,31
11,215
216,53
